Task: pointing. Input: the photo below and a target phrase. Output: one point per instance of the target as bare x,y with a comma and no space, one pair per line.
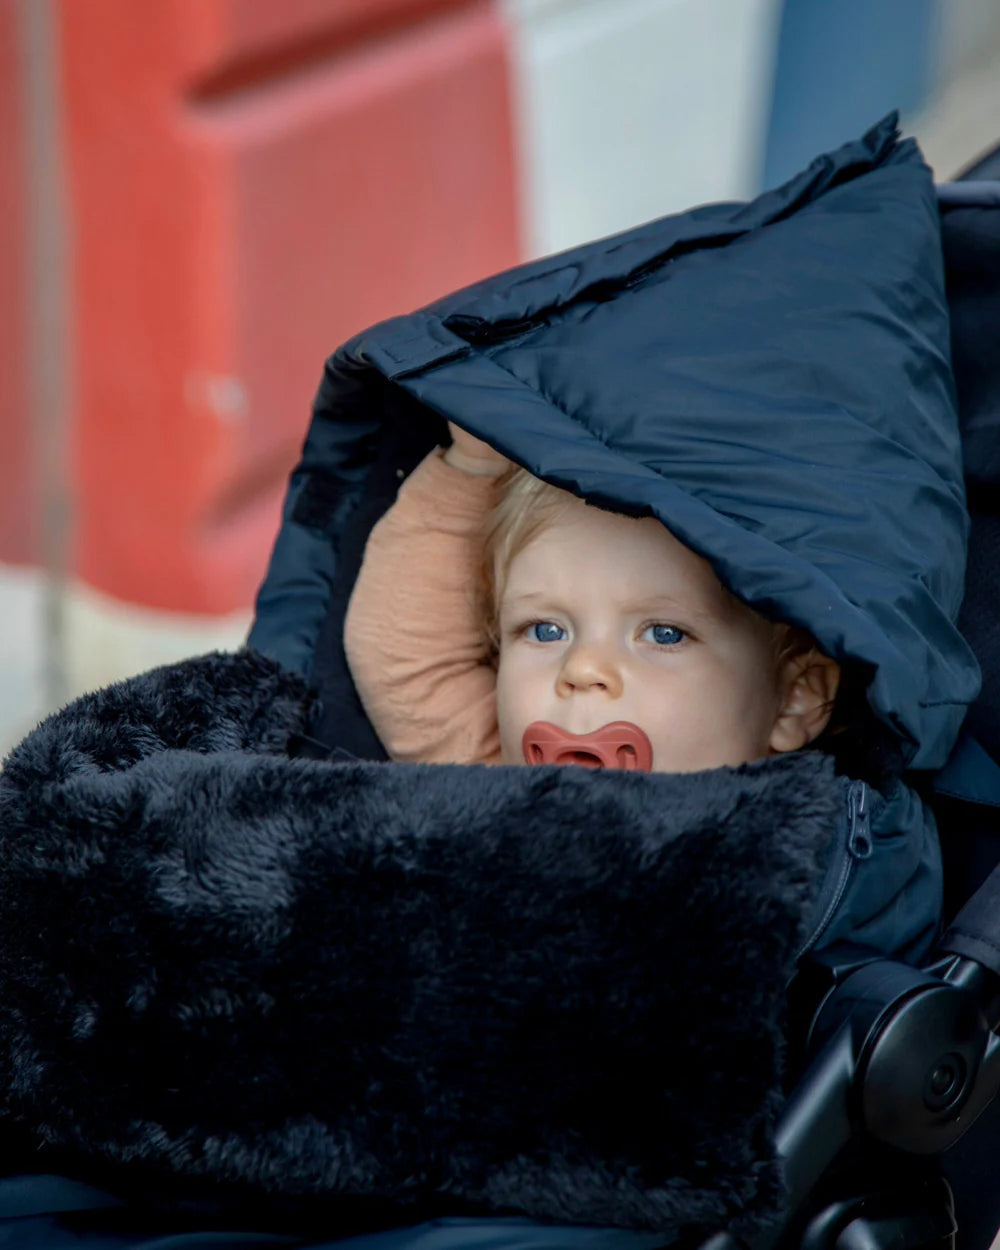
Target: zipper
478,332
857,846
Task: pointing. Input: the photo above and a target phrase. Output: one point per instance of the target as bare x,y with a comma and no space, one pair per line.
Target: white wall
960,122
629,109
970,32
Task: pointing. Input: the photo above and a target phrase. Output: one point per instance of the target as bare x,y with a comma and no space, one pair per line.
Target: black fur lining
538,991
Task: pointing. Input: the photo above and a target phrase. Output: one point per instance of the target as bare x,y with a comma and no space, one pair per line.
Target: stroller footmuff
440,988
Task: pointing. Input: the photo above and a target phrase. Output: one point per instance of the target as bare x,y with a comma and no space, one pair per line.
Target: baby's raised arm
415,644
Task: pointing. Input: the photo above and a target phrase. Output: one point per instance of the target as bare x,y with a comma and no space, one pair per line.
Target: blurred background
199,199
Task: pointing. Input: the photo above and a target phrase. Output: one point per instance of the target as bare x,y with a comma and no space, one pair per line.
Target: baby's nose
590,668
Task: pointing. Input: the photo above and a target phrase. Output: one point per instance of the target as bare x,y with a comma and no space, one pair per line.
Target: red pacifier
618,745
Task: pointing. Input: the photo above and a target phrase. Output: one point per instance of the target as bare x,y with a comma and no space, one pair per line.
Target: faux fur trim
538,991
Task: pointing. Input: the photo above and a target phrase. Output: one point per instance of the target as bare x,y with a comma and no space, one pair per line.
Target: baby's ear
809,680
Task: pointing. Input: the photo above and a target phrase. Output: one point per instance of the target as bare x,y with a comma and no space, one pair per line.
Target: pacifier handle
617,745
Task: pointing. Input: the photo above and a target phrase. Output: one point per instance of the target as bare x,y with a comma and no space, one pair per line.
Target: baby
597,638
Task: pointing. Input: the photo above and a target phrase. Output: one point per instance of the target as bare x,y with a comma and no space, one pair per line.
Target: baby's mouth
618,745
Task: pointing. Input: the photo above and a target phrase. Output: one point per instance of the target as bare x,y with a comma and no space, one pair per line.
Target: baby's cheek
705,722
508,718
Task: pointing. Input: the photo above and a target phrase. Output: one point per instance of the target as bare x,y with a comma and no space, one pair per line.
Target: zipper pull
859,838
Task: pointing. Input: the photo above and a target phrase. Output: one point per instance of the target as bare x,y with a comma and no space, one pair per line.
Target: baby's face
609,618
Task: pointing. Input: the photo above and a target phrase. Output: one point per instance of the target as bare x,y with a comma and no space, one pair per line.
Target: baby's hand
472,455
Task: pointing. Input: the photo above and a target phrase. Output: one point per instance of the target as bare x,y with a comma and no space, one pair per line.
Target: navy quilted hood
771,380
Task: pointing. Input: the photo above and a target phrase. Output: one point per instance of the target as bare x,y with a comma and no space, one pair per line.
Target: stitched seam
601,438
429,331
975,937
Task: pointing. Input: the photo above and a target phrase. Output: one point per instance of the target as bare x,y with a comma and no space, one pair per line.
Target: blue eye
664,635
546,631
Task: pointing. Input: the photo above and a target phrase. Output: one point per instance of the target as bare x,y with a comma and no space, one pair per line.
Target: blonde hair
525,505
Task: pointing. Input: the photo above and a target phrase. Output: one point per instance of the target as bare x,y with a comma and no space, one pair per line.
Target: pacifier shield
617,745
